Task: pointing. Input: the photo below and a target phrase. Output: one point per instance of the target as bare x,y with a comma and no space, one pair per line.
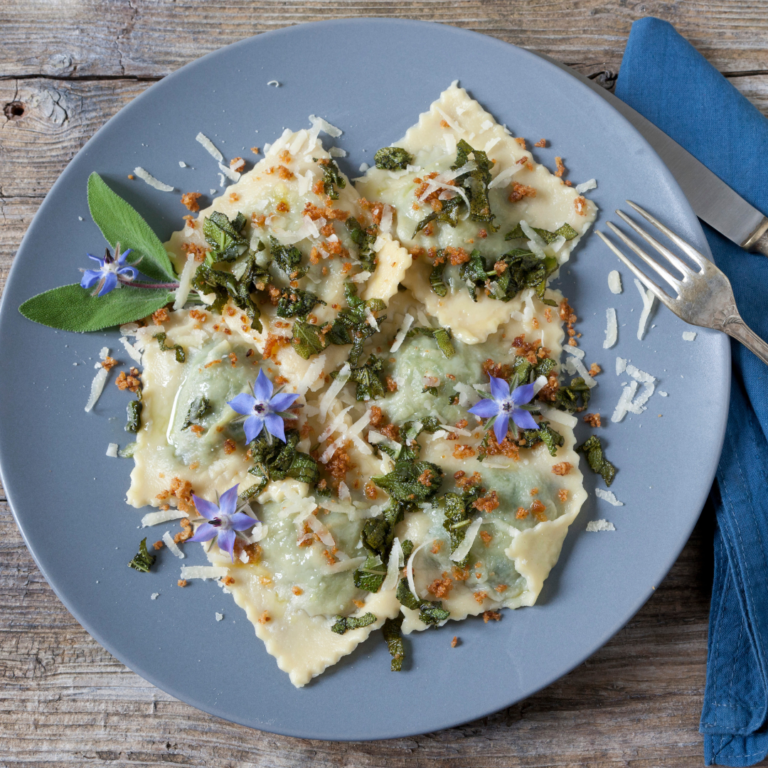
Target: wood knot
14,110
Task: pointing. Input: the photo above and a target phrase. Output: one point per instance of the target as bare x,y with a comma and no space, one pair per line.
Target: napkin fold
664,78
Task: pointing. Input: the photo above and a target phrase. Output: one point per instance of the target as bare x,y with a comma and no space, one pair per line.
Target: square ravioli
333,357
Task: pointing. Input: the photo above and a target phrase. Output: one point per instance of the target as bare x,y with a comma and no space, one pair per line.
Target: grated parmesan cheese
396,562
325,126
505,176
689,335
611,329
131,350
580,189
185,283
147,177
624,401
333,391
609,497
172,545
614,281
219,616
163,516
337,152
112,450
229,173
99,380
400,337
593,526
209,147
409,569
469,539
204,572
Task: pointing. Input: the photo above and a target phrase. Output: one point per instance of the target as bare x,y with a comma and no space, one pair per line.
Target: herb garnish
436,277
209,279
566,231
511,273
411,480
276,461
333,180
345,623
288,258
527,438
227,238
371,574
134,416
573,398
393,637
593,450
165,347
296,303
441,335
369,385
142,561
392,159
475,186
457,509
429,613
198,408
308,339
73,308
364,240
351,325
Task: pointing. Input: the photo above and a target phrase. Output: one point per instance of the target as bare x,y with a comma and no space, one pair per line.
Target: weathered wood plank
154,37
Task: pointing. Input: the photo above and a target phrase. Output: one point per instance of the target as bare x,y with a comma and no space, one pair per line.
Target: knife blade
710,197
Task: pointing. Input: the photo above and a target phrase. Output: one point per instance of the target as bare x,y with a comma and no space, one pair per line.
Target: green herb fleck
436,277
345,623
392,159
308,339
411,481
369,385
134,416
351,325
143,560
393,637
566,231
527,438
448,214
574,398
296,303
128,451
593,450
364,240
288,258
457,509
371,574
441,335
165,347
274,460
227,238
333,180
429,613
199,407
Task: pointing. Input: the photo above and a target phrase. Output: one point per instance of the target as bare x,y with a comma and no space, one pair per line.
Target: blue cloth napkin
664,78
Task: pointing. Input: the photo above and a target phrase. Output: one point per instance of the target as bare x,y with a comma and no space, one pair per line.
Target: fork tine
652,263
688,249
681,266
639,274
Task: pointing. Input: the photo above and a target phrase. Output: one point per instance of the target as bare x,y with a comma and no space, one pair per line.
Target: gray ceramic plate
372,78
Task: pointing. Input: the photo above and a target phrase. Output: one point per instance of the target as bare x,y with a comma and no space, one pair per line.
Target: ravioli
388,504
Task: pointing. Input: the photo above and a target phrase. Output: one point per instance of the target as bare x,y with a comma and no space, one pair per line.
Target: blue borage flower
505,404
111,269
262,409
223,521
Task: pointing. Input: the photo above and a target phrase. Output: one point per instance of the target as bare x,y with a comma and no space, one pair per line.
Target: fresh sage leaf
72,308
120,222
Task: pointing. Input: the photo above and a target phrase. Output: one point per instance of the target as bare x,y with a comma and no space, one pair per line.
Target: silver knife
710,197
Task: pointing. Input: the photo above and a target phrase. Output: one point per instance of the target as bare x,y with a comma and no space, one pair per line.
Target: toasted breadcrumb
454,642
593,419
189,200
541,143
561,469
491,615
182,583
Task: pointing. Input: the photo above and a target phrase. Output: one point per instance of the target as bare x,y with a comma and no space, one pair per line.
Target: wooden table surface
66,66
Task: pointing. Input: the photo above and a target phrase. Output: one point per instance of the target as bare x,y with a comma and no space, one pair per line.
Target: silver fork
704,297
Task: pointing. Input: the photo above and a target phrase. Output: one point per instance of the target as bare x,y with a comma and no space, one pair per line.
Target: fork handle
737,329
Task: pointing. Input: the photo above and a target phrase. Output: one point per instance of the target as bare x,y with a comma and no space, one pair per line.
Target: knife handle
757,242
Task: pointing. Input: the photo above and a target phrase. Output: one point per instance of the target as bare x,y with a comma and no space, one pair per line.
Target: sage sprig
73,308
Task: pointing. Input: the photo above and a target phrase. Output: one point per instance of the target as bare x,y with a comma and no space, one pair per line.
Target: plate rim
723,385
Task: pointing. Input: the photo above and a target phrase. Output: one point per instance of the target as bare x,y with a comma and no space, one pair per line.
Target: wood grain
65,68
